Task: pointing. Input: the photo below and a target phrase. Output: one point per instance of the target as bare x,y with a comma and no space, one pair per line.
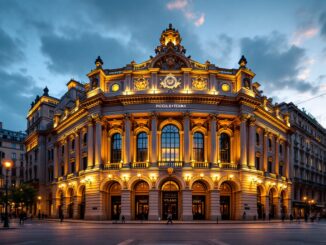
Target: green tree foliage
25,194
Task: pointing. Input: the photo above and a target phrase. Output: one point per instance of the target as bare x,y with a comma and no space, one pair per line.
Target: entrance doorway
226,201
82,204
272,206
141,200
199,200
70,208
115,200
260,205
170,196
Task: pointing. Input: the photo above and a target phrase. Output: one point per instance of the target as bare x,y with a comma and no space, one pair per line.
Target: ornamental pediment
170,82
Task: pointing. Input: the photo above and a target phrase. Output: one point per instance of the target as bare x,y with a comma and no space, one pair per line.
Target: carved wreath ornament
199,83
141,83
170,82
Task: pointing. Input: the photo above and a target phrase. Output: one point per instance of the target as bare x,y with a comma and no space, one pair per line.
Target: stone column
66,156
153,152
215,211
127,145
186,145
126,204
252,144
265,201
186,205
276,166
265,150
77,151
153,205
98,142
277,203
212,127
75,207
56,162
243,141
90,144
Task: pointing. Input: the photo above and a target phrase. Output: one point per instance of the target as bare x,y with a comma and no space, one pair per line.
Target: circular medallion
115,87
225,87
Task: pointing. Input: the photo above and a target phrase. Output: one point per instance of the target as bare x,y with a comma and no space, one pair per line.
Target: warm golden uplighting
305,198
7,164
110,176
39,198
139,175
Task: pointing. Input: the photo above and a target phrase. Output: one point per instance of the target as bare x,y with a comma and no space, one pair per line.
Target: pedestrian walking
244,216
123,219
169,219
61,216
291,218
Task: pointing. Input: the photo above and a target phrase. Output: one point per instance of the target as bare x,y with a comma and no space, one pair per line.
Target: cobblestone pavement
50,232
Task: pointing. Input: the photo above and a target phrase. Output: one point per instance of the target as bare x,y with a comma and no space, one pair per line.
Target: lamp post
7,164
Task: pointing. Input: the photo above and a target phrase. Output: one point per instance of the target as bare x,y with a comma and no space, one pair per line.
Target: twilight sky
45,43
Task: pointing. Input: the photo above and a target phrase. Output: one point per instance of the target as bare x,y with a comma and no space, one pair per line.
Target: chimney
0,125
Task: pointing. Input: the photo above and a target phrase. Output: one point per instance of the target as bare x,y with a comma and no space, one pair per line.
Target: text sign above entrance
171,106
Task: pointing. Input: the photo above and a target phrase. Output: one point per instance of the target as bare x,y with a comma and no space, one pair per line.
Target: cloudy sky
45,43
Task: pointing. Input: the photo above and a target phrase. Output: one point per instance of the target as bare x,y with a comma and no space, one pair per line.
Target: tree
24,194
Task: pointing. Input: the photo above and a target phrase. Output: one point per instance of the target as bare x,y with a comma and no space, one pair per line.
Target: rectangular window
62,170
84,163
270,166
257,163
13,156
72,167
280,170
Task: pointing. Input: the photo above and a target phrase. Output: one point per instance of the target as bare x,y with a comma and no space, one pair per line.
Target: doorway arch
272,195
70,203
260,203
170,195
113,200
228,200
141,200
199,200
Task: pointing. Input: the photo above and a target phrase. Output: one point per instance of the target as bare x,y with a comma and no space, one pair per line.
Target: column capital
76,132
252,121
244,117
186,114
153,115
213,116
266,132
126,116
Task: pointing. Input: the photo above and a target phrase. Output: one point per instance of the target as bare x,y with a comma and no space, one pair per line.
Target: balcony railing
228,165
170,164
112,166
139,165
200,165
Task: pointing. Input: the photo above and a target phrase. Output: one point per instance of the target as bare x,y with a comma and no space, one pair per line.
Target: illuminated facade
169,135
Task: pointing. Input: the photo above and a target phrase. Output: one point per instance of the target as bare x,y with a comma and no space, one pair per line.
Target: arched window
116,145
269,144
73,145
198,147
170,143
225,148
142,147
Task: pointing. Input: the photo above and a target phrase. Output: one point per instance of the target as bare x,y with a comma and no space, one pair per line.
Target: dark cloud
277,64
221,49
17,93
10,50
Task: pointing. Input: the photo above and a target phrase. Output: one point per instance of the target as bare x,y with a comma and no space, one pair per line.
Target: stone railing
170,164
139,165
200,165
112,166
228,165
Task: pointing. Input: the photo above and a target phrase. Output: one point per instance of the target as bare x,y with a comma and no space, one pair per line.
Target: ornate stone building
168,135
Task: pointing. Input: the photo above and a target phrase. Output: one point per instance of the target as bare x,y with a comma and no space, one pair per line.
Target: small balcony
111,166
170,164
228,165
139,165
200,164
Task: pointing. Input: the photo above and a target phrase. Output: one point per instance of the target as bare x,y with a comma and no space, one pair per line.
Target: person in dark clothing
123,219
169,219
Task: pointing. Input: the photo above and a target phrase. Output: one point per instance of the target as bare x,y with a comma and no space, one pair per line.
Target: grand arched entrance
82,203
61,203
70,203
141,195
260,204
272,203
113,201
227,200
170,199
199,202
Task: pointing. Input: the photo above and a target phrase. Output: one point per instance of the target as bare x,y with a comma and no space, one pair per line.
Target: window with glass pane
198,147
116,145
170,142
225,148
142,147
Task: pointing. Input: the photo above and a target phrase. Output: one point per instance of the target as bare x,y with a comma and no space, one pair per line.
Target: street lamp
7,164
